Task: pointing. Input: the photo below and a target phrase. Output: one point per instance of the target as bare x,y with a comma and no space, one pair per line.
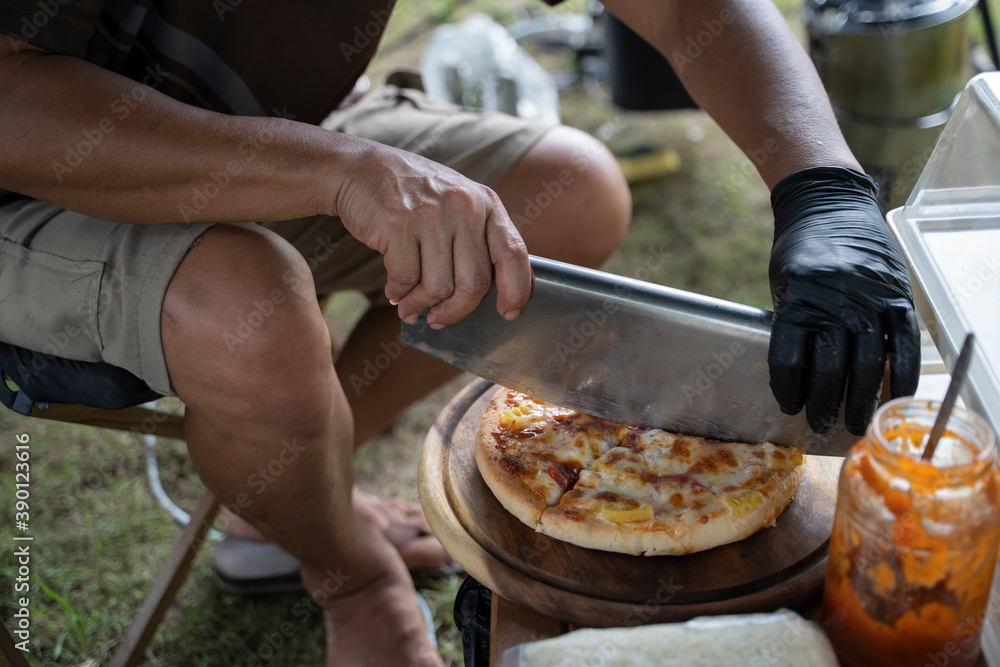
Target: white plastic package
781,639
478,64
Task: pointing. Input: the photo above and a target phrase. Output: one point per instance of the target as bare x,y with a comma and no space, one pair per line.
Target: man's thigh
481,146
78,287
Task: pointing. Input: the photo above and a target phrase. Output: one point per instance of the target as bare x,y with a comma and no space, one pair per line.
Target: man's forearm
742,64
99,143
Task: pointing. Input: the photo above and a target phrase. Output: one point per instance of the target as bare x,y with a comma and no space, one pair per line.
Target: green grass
100,538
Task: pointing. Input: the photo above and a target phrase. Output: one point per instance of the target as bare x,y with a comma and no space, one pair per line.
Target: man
88,147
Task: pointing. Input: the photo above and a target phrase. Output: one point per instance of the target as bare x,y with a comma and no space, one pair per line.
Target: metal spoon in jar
948,404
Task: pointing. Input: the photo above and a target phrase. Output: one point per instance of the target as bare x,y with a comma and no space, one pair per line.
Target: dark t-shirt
294,58
291,58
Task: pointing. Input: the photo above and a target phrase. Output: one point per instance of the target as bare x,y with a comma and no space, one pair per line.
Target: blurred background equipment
617,68
639,77
893,70
476,63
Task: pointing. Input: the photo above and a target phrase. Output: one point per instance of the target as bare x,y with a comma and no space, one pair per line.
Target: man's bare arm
99,143
842,298
96,142
741,63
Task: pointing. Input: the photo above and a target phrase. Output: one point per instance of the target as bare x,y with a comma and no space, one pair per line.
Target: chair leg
14,656
167,584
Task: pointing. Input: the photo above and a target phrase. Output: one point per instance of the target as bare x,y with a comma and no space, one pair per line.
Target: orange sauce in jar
914,542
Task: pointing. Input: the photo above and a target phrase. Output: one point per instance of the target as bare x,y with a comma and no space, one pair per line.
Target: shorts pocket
49,303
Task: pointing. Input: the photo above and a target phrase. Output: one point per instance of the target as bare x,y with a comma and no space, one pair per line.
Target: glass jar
914,542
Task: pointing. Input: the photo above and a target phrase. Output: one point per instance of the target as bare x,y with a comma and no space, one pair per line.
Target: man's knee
568,195
241,314
603,199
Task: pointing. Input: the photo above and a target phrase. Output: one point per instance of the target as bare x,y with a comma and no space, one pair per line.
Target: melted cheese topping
551,444
683,479
643,478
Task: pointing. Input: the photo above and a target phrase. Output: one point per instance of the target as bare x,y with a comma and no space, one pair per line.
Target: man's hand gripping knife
842,300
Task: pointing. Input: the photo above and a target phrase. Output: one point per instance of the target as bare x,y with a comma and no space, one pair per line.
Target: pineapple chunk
641,513
507,418
603,468
516,419
743,501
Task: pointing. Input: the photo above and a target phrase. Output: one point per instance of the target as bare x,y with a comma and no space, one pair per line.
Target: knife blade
633,352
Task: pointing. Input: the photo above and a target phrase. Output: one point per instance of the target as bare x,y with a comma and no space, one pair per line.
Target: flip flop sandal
245,566
250,567
428,616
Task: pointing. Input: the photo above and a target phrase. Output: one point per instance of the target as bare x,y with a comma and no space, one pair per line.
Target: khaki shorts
87,289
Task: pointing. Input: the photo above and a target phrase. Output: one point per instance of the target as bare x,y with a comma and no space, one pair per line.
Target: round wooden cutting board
781,566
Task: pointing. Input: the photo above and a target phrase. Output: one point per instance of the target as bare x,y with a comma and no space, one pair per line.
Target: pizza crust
506,487
628,490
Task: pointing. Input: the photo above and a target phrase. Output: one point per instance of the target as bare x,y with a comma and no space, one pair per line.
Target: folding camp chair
105,396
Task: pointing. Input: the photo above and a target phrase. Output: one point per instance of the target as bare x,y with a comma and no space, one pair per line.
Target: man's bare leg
270,431
582,224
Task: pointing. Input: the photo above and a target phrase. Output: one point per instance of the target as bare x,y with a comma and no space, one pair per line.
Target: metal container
893,70
639,76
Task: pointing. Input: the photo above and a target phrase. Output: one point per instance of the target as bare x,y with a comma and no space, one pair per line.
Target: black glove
841,299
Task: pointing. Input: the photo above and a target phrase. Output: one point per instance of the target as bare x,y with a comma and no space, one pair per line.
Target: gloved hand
842,300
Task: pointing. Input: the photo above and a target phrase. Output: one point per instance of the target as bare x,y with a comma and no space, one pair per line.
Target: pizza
604,485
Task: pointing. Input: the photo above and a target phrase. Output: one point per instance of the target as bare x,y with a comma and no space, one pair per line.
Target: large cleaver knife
632,352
